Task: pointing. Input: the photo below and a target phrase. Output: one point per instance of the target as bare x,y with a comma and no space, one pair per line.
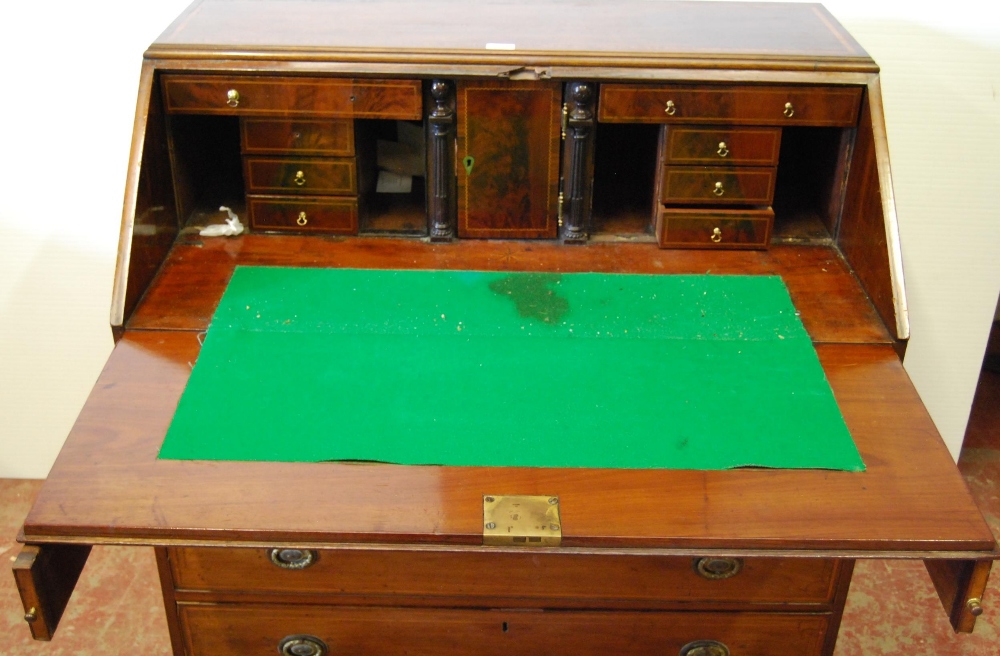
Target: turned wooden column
441,194
578,161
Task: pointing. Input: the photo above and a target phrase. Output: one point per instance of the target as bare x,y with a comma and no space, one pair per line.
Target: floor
892,607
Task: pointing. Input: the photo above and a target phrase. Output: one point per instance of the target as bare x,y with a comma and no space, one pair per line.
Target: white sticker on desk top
499,46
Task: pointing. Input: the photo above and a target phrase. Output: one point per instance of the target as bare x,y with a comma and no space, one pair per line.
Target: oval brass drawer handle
716,237
292,558
233,98
302,220
718,568
723,149
300,178
704,648
789,110
671,108
718,190
303,645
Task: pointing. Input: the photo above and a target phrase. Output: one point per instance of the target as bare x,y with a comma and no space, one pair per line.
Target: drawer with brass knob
303,137
312,630
331,214
508,579
709,185
714,228
741,104
333,176
704,145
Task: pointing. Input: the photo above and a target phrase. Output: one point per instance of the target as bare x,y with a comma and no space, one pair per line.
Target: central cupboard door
508,159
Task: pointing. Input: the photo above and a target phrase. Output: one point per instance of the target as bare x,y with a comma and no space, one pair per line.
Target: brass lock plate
525,521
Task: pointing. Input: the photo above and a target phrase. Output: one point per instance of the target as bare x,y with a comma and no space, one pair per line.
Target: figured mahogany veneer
722,146
301,137
334,176
292,96
714,228
718,186
739,105
333,215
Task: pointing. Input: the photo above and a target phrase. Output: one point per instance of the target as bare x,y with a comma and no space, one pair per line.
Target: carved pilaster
441,193
578,161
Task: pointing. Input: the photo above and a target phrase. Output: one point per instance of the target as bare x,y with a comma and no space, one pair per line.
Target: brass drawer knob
300,178
718,568
233,98
723,150
718,190
671,108
789,110
716,237
32,615
303,645
292,558
704,648
302,220
975,606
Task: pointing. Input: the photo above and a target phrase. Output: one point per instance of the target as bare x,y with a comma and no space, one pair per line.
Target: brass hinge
565,121
526,521
559,210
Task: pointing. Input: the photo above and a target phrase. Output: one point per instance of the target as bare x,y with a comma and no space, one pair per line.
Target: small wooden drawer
277,137
739,105
225,630
717,186
292,96
334,215
533,579
720,229
333,176
722,146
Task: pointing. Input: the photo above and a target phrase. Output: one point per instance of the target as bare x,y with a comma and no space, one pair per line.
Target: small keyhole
505,627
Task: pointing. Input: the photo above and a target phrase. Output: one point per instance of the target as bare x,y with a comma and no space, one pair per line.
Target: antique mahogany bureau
641,137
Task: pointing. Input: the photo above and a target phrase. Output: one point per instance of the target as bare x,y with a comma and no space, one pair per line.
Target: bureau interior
210,168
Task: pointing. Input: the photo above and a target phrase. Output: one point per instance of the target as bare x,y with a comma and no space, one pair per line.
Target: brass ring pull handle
789,110
32,615
716,237
718,190
704,648
723,149
233,98
292,558
300,178
975,606
302,220
671,108
716,569
303,645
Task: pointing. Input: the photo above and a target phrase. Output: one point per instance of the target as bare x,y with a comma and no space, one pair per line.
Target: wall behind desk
68,79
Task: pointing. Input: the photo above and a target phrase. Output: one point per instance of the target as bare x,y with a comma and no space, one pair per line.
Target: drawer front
744,105
718,147
275,137
300,176
292,96
578,580
327,215
685,228
718,186
264,629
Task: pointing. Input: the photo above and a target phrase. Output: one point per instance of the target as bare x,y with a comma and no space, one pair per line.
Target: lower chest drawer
219,630
510,579
333,215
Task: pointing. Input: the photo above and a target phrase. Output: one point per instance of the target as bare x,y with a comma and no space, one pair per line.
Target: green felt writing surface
509,369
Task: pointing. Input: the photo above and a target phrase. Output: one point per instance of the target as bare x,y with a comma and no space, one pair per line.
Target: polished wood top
540,33
108,487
